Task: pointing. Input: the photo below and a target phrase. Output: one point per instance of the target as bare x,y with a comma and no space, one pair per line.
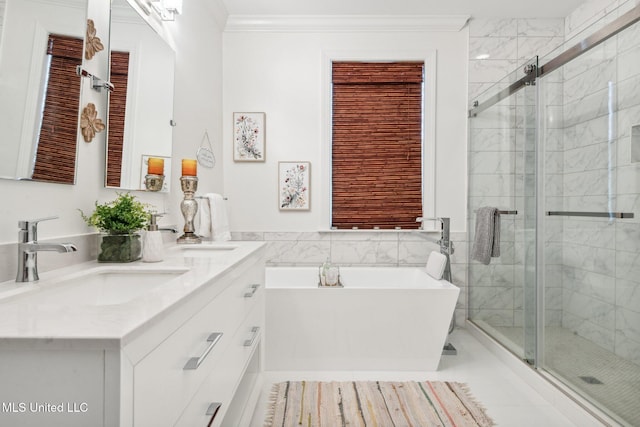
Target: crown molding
345,23
219,12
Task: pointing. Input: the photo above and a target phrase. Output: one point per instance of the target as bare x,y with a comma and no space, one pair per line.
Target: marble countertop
35,311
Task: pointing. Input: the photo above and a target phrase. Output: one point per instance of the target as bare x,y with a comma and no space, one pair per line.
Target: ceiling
475,8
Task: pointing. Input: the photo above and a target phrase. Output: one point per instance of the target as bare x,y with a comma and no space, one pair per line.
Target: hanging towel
219,220
203,218
486,243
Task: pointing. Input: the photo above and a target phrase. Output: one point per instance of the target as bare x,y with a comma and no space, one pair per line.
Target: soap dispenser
152,246
323,272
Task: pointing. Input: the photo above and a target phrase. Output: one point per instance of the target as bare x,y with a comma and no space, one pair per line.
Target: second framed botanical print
293,186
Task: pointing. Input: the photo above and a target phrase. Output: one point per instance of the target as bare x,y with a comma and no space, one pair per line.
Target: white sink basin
105,286
206,249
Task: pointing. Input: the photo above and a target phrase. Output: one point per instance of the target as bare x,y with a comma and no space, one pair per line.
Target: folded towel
202,221
486,243
219,220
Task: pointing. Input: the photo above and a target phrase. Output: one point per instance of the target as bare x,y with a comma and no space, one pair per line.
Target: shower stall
555,146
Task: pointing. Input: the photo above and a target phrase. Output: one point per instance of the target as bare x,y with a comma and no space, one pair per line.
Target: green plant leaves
122,215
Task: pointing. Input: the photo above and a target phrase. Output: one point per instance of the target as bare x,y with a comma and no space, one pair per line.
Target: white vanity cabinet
177,382
148,364
233,384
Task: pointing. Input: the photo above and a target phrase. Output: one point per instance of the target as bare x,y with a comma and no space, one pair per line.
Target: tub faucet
446,245
28,248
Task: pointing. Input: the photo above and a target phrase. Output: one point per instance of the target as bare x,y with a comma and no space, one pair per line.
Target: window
376,151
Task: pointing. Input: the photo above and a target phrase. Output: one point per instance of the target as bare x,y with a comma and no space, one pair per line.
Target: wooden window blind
56,152
117,107
377,144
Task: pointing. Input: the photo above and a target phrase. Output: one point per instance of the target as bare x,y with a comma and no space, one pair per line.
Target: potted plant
119,222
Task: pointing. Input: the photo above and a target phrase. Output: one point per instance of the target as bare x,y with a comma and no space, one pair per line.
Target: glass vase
126,247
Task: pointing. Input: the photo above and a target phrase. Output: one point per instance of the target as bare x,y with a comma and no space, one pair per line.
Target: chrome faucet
170,229
446,245
28,248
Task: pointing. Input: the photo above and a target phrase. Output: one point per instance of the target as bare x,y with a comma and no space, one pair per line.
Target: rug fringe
467,390
471,398
271,405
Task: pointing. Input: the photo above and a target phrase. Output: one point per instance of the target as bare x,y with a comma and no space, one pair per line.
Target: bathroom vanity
171,343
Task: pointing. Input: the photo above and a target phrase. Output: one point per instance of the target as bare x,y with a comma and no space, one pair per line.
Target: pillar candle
155,166
189,167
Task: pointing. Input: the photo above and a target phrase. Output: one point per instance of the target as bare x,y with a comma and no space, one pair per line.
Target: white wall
198,97
280,73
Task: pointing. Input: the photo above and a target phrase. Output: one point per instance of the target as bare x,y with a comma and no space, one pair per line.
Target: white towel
486,243
203,218
219,220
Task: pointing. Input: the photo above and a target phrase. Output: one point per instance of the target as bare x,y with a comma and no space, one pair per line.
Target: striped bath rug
374,403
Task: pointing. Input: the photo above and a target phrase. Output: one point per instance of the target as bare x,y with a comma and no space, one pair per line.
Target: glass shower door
589,223
564,153
502,171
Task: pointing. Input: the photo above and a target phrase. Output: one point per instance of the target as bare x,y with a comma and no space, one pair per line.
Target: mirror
41,42
141,106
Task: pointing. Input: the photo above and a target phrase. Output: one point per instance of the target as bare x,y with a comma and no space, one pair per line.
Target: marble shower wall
363,248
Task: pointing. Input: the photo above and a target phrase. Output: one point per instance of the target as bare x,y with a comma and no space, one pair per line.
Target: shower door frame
605,33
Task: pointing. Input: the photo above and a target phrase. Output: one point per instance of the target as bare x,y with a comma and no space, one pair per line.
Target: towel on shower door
486,243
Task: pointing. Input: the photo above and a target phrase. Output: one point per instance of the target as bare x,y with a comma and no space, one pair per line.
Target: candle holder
153,182
189,207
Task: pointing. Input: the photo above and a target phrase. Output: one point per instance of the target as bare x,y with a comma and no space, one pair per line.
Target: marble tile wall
362,248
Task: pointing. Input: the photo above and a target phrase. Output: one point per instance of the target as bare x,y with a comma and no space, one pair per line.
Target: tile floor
507,398
570,357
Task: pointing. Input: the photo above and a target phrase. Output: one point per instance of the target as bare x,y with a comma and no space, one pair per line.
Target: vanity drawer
232,369
163,385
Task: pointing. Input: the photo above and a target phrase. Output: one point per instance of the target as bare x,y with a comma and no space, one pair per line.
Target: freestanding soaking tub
384,318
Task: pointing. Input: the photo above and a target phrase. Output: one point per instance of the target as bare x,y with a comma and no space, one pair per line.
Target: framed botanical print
249,137
293,186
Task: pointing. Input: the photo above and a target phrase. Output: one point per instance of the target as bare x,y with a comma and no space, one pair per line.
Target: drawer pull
254,289
213,409
195,362
255,331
